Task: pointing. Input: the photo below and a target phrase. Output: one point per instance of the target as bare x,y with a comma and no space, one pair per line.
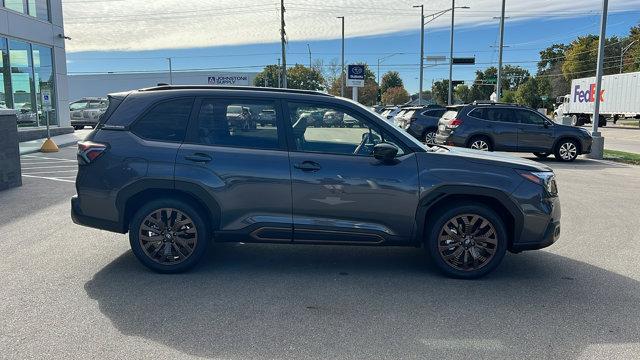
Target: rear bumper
79,218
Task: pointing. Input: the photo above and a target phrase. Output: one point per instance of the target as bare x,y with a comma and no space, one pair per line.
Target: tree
440,91
298,77
551,57
527,94
395,96
582,56
270,73
508,96
631,61
302,77
463,93
389,80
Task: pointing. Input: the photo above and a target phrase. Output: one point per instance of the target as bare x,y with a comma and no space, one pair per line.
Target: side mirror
385,151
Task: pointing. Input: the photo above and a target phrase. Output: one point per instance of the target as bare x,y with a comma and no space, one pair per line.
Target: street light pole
170,72
342,69
624,50
453,10
283,41
421,51
499,77
309,48
597,148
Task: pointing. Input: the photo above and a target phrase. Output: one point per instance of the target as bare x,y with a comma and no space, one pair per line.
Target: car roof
233,89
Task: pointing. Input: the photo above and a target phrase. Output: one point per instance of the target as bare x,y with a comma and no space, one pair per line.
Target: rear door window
494,114
236,123
165,121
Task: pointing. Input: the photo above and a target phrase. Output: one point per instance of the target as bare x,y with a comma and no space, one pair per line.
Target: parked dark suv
508,127
166,165
421,123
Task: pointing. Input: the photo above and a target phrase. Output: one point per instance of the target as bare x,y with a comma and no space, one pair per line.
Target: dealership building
33,72
99,85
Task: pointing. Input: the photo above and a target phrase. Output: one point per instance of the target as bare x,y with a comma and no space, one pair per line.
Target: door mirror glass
385,151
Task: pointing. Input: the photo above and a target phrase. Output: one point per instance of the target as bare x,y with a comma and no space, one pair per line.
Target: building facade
33,71
99,85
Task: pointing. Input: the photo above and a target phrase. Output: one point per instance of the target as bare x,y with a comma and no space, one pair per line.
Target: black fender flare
426,203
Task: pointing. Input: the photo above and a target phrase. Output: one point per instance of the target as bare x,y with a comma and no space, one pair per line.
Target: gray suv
167,165
509,127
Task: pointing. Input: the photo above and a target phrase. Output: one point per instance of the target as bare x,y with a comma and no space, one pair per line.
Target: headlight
546,179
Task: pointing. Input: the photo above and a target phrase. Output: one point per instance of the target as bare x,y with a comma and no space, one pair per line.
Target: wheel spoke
467,242
168,236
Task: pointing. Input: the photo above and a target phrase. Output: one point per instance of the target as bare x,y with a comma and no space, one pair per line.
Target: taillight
454,123
88,151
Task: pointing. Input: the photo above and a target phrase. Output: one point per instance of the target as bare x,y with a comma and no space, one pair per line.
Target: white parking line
47,158
50,172
49,167
49,178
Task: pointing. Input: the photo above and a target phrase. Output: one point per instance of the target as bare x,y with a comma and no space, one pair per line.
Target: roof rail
485,102
218,87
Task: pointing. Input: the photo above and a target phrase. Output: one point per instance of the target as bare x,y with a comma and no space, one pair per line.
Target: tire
78,127
576,121
194,233
481,143
541,155
457,259
566,150
429,137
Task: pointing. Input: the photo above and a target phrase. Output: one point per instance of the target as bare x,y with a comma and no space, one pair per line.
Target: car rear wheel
78,127
566,150
429,137
480,143
467,241
541,155
168,236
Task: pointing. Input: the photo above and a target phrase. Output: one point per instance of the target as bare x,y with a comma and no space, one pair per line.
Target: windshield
396,131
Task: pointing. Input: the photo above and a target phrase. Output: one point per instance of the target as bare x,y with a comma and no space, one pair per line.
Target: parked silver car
87,111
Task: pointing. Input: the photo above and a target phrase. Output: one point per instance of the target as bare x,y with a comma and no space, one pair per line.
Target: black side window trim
191,136
152,106
289,130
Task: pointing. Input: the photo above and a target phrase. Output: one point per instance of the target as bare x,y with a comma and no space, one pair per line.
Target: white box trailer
619,97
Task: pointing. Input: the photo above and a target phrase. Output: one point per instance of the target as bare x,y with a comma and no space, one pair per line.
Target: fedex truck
619,98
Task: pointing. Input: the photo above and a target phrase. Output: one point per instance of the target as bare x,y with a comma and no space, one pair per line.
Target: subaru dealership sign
228,80
355,75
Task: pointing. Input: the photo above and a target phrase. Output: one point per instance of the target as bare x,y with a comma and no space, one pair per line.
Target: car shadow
280,301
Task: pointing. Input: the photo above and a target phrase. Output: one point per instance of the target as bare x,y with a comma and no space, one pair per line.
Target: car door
340,192
535,133
244,170
500,124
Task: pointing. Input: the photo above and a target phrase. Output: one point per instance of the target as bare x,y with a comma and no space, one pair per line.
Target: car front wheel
566,150
430,137
168,236
467,241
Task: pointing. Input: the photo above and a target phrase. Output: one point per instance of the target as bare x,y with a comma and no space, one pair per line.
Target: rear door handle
199,157
307,166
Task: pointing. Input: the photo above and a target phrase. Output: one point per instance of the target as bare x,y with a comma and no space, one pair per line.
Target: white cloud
102,25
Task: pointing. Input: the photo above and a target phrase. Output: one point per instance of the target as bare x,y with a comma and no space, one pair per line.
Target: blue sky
524,38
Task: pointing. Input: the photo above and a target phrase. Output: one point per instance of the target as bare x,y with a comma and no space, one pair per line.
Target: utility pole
309,48
170,72
597,148
622,51
421,51
342,70
279,74
499,77
450,98
283,41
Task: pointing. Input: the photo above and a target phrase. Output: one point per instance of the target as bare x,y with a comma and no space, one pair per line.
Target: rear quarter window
165,121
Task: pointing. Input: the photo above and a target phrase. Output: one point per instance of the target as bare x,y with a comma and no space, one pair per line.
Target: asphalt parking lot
75,292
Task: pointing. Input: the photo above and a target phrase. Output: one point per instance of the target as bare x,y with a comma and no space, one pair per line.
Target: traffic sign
355,75
464,61
46,99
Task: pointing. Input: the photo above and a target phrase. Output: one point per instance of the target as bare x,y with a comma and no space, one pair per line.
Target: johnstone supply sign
228,80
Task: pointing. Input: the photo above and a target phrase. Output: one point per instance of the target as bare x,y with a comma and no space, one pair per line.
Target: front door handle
199,157
307,166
